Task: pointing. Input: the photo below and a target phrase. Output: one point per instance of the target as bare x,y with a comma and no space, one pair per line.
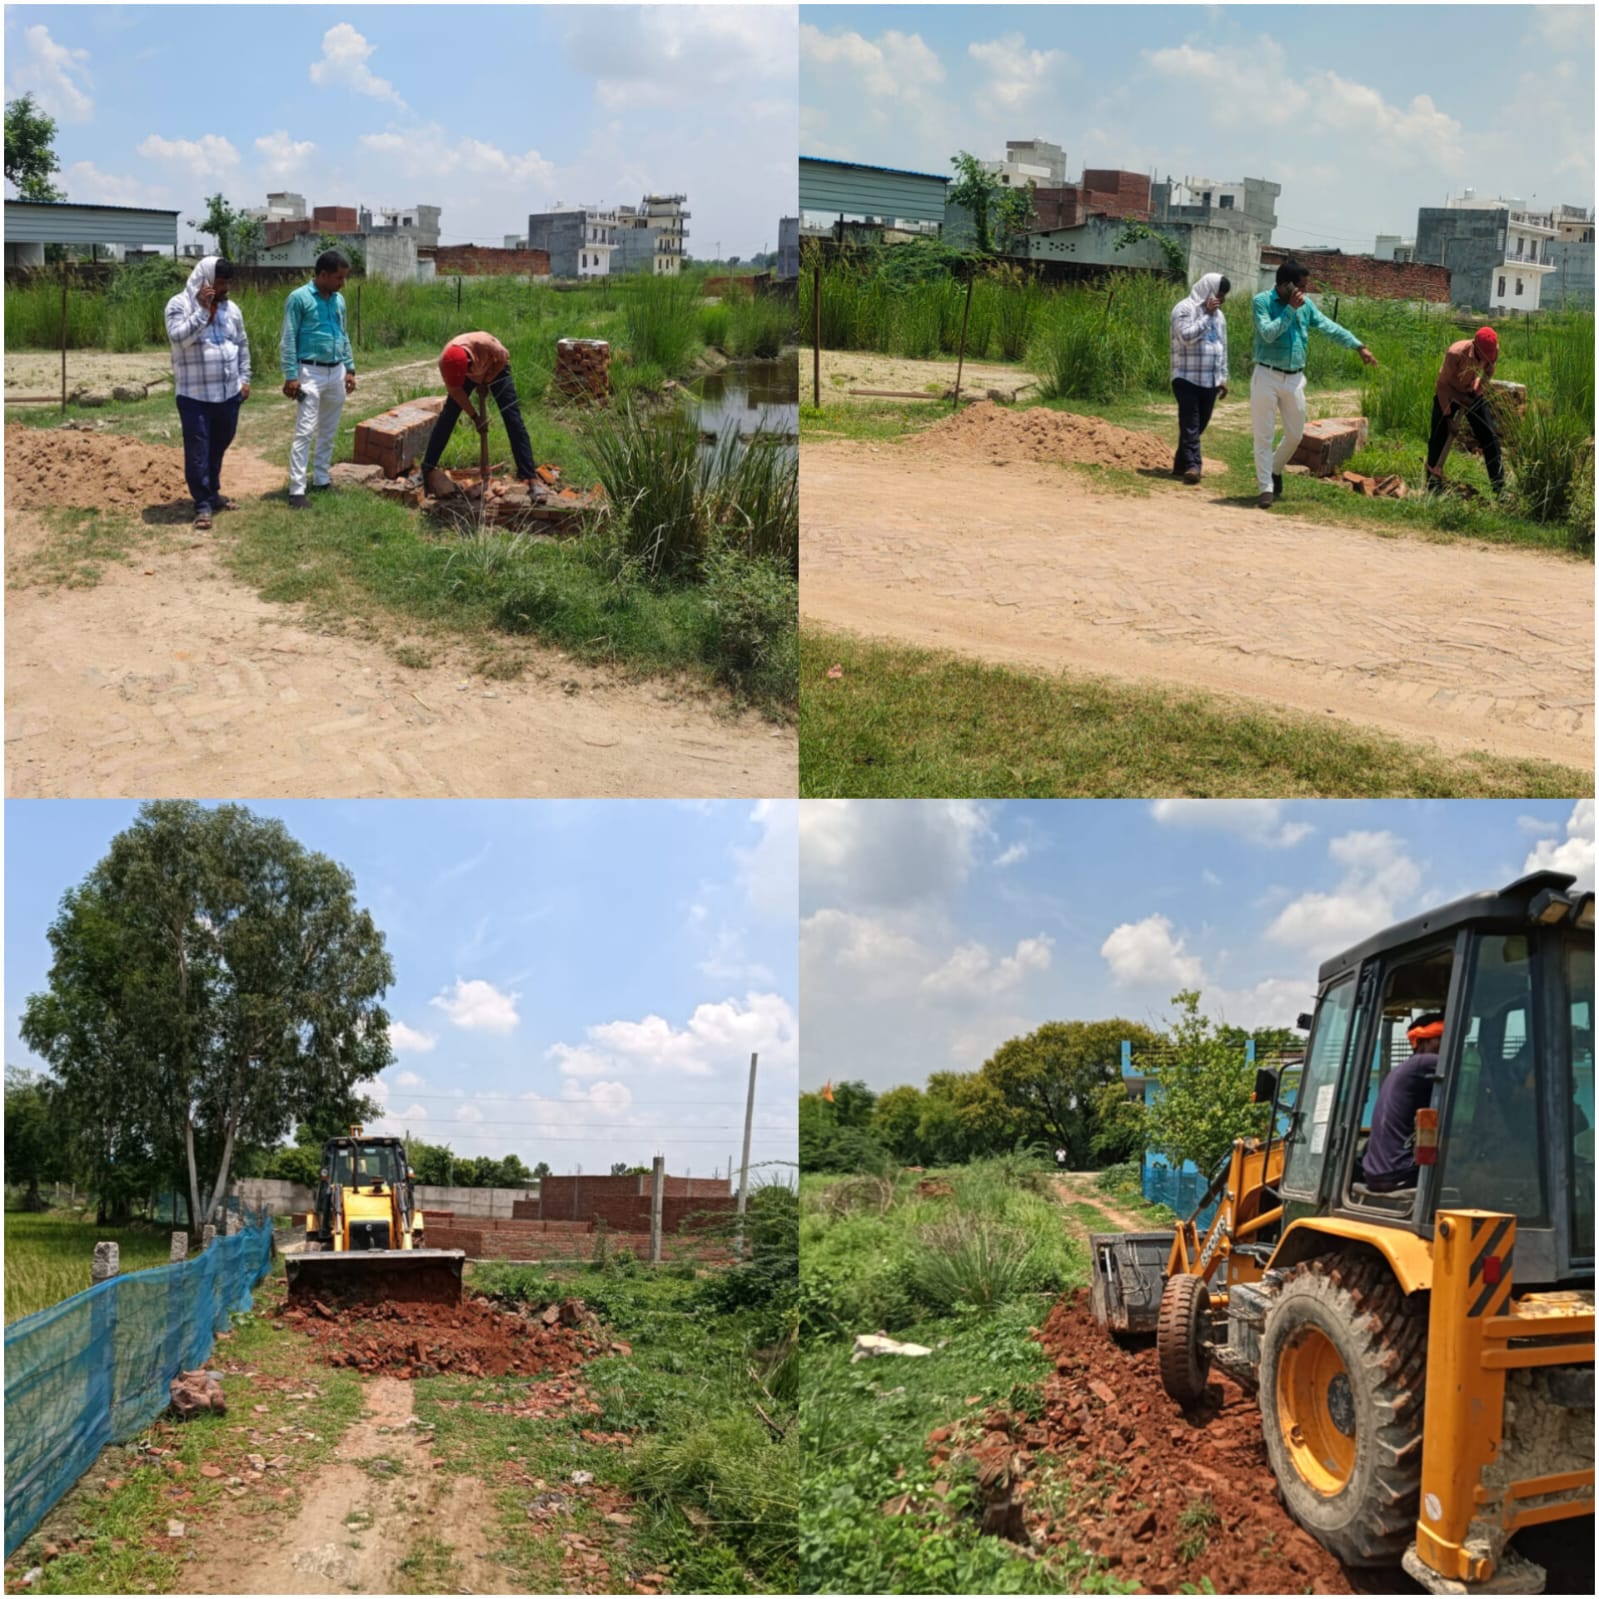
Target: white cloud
1256,821
726,961
873,957
411,1039
57,77
408,1080
769,868
1009,857
1379,884
431,152
343,63
209,156
1209,878
86,184
478,1006
896,66
1016,74
972,972
283,155
1148,952
1574,853
469,1113
717,1036
1272,1002
1538,826
872,855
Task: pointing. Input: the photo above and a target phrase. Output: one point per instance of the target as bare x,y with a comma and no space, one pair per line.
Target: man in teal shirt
318,371
1283,320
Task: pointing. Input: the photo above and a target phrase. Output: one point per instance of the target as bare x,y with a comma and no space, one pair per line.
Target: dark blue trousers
504,392
1194,406
208,429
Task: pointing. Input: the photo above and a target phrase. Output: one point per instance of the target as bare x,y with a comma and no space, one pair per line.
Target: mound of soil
476,1338
1144,1471
990,432
68,466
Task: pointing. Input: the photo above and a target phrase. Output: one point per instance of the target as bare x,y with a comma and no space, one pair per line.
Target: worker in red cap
1462,391
479,363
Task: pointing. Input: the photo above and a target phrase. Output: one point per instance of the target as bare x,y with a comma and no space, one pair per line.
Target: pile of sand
990,432
66,466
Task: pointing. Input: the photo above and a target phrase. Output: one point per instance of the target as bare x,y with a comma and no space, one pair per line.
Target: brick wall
482,260
1058,208
281,232
333,219
1116,194
1332,272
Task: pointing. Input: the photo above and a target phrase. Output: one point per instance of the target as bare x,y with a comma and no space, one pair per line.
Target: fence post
63,338
657,1190
234,1223
208,1236
180,1249
744,1165
960,360
95,1424
816,338
358,316
107,1262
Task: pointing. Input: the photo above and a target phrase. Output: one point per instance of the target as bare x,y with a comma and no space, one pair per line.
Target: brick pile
395,440
1327,444
583,370
487,261
1058,208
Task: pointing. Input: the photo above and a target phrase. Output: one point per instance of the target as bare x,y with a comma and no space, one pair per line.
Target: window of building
1518,286
1501,286
1227,202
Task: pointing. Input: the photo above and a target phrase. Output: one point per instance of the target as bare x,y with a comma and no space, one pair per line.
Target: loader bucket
376,1277
1129,1276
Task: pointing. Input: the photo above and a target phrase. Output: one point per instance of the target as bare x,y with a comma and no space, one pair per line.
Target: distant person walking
1284,318
479,363
211,377
1462,391
1198,367
318,371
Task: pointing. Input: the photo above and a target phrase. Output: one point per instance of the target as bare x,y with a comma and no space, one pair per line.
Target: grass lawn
915,723
48,1255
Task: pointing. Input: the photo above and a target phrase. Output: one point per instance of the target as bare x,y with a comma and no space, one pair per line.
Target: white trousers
316,415
1269,393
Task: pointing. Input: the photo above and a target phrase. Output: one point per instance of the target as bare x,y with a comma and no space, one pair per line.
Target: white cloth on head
205,272
1208,285
210,349
1199,337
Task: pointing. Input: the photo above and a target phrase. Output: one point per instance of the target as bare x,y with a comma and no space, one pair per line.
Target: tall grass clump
1551,455
661,316
1396,397
970,1262
759,328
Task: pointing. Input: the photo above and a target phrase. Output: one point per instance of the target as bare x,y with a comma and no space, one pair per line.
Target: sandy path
170,678
1074,1186
1020,564
355,1527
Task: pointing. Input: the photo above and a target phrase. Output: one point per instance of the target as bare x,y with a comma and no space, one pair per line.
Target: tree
1053,1078
353,253
896,1122
1201,1101
1136,232
998,211
238,236
434,1164
35,1151
542,1170
213,981
30,152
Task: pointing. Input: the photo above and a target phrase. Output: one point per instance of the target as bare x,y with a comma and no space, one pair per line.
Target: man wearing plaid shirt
211,374
1198,367
318,371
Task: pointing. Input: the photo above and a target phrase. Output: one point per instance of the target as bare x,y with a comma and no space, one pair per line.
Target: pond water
750,397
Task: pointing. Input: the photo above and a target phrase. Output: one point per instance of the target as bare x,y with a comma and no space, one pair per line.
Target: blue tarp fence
96,1368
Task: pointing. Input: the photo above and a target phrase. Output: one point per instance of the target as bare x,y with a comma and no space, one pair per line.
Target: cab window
1305,1151
1492,1153
1579,993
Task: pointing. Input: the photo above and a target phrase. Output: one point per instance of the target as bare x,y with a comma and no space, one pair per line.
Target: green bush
752,621
966,1262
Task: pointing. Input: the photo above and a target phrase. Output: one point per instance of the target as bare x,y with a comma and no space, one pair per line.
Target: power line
522,1099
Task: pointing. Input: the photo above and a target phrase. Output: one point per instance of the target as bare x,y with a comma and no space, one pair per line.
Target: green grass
865,1424
1122,1184
48,1256
912,723
83,543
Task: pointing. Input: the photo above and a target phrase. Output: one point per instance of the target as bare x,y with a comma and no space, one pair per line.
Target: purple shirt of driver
1390,1160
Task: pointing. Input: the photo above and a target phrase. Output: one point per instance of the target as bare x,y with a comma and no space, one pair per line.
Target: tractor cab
1502,1121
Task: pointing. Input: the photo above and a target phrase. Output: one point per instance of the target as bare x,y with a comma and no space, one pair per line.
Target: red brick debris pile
583,369
1164,1496
990,432
476,1338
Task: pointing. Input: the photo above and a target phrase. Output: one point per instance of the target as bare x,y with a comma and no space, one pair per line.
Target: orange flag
827,1090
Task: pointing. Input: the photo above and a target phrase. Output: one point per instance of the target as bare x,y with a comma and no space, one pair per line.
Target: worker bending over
478,363
1462,391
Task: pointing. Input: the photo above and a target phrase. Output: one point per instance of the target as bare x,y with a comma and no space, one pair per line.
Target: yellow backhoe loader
1423,1353
364,1242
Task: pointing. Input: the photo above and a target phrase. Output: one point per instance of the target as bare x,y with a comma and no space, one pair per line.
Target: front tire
1183,1338
1343,1372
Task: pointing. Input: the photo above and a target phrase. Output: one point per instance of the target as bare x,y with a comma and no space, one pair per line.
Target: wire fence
96,1369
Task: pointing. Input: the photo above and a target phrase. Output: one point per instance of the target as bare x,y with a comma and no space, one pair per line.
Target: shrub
969,1261
752,622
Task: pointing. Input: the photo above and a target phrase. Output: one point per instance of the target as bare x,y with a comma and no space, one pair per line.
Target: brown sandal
202,518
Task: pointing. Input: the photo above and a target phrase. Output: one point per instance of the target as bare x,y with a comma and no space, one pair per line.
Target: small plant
971,1262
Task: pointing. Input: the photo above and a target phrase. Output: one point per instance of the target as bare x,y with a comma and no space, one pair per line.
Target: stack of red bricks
583,370
1058,208
1116,194
494,1238
396,439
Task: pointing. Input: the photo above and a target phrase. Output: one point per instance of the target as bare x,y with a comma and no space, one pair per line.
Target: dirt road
361,1519
1021,564
171,678
1080,1187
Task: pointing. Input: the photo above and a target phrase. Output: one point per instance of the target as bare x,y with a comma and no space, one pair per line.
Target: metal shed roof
59,222
851,188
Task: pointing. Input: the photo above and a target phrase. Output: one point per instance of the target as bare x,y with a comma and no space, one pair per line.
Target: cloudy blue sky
932,931
1361,113
488,111
579,982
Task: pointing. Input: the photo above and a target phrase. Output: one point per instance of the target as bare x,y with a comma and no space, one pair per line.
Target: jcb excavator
1423,1352
364,1240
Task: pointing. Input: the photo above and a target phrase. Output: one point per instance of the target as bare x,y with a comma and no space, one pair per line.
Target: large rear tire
1182,1339
1343,1373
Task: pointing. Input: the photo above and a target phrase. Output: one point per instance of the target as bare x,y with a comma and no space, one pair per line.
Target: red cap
1487,340
452,364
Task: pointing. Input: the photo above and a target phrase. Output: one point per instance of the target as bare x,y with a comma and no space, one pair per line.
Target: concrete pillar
657,1191
180,1248
235,1223
107,1262
208,1236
